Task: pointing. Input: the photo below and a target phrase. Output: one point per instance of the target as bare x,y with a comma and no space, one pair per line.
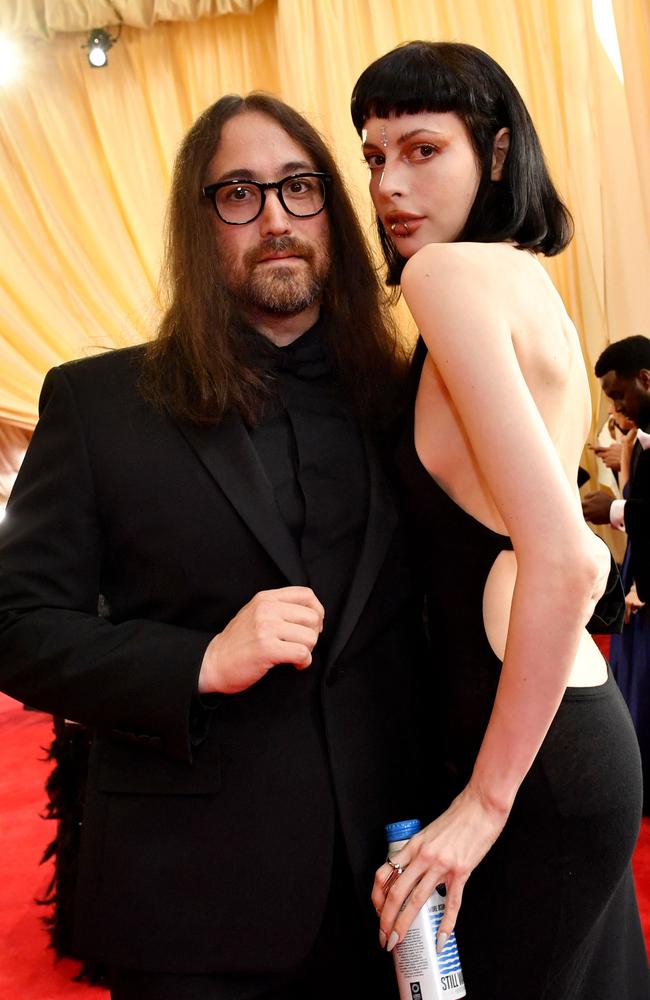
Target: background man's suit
637,521
176,526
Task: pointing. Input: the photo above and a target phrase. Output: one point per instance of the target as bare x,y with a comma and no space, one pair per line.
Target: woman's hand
447,850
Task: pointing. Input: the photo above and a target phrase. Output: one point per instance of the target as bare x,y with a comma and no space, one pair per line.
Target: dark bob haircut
626,357
448,76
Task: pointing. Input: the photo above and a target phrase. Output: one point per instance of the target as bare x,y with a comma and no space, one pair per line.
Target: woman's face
424,176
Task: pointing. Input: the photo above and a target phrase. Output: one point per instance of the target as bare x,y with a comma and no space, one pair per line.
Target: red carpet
641,866
27,966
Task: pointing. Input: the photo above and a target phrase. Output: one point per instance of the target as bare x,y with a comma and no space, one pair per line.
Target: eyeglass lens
242,202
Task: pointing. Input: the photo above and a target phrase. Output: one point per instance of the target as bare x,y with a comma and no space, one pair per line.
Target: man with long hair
252,683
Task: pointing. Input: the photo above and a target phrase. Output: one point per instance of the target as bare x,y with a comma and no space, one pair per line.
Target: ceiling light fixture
98,44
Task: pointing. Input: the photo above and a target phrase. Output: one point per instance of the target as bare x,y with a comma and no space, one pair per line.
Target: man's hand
611,455
276,626
595,507
632,604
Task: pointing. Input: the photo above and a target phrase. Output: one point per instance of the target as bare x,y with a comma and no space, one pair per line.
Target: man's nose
274,219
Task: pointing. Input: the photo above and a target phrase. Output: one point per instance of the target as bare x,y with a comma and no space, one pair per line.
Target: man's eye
238,193
300,187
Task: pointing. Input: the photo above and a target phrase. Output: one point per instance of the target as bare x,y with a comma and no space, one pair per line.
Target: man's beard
282,289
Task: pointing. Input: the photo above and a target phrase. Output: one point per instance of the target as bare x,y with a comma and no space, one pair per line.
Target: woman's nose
392,183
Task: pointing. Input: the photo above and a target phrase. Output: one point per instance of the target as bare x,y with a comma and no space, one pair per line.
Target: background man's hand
610,455
632,604
276,626
595,507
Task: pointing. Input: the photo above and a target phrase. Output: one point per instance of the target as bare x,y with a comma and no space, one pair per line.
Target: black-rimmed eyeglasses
240,201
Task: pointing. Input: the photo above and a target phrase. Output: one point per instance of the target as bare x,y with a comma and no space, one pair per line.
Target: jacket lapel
229,456
382,519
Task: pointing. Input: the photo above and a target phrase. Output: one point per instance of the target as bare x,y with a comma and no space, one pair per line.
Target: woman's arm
560,572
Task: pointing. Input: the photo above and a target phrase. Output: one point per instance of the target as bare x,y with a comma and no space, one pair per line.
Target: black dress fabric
550,913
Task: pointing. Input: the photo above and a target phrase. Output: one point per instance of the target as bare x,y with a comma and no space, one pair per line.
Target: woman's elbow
580,570
587,571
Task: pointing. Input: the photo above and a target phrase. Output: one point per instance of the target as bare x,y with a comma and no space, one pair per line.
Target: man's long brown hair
196,368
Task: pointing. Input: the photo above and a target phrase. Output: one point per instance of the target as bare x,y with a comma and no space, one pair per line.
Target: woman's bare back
548,352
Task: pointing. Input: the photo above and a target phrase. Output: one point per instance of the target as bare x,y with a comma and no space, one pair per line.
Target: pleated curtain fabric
86,155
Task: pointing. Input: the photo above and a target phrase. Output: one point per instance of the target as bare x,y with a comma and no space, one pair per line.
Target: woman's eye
423,151
375,160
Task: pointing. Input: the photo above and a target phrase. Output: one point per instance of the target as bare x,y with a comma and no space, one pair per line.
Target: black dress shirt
311,446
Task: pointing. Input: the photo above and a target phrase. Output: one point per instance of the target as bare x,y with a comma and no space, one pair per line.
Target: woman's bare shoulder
444,265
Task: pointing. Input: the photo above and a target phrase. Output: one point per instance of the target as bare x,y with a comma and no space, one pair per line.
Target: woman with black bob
543,765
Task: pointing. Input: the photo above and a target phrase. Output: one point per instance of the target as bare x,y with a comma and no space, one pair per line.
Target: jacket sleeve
136,678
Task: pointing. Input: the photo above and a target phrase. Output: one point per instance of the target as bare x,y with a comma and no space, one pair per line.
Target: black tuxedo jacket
208,833
637,523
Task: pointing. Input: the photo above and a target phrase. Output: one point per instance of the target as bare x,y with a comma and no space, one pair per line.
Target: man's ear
644,378
500,149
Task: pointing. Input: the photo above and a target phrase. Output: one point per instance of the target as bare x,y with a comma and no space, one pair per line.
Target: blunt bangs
406,81
416,77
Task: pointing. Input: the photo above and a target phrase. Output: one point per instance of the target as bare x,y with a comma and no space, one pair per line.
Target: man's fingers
298,604
289,632
296,595
295,653
300,614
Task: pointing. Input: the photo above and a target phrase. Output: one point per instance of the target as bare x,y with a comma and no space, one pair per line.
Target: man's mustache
278,244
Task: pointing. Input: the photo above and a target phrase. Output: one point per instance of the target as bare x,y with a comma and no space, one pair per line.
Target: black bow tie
307,357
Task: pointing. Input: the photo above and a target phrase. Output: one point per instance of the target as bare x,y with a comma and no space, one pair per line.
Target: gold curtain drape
86,155
47,17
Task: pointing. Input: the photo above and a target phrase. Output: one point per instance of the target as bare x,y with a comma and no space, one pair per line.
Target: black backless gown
550,913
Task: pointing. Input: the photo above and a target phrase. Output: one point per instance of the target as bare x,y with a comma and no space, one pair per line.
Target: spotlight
10,60
98,44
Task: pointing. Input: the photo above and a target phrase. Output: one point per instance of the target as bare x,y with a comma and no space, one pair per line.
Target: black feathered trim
65,788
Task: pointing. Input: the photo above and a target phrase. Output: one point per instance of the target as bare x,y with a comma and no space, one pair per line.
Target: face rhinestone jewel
384,137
